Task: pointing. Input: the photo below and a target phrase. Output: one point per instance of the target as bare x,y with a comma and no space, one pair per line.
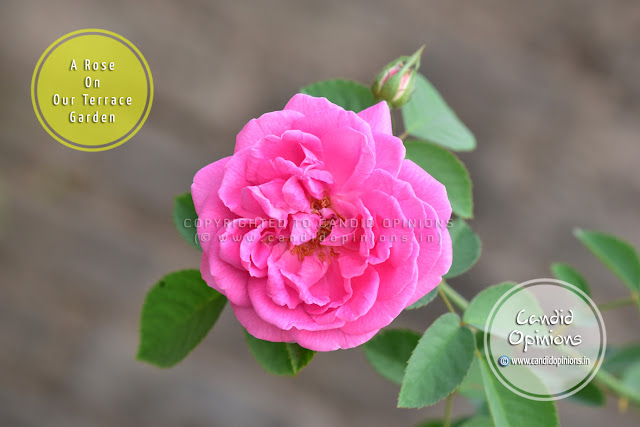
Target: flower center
313,245
317,205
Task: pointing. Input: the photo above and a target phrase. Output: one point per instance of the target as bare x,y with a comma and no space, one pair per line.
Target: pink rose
317,229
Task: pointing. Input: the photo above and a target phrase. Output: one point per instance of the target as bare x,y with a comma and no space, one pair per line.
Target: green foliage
566,273
618,360
619,256
438,364
389,351
478,311
427,116
466,248
430,296
511,410
471,387
590,395
448,169
279,358
348,94
631,377
177,314
184,218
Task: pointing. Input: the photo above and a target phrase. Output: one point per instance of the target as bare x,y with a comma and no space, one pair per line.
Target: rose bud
396,81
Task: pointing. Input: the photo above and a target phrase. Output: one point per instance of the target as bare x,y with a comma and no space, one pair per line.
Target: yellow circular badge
92,90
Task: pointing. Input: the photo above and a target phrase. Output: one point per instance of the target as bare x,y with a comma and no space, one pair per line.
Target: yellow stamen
308,248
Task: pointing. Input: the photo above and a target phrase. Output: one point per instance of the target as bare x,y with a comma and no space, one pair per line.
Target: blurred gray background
550,88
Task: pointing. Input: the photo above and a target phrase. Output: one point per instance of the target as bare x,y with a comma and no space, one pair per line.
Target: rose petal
393,230
303,275
427,188
274,123
227,279
270,198
351,264
259,328
304,227
204,189
306,104
331,289
383,312
294,195
379,118
430,280
395,278
233,183
348,156
279,316
365,292
277,289
329,340
321,122
254,253
390,153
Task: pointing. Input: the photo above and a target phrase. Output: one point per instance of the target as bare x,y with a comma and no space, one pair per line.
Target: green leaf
389,351
348,94
566,273
478,421
279,358
427,116
631,377
430,296
511,410
480,306
618,360
471,387
466,248
177,314
619,256
184,218
446,168
482,407
590,395
438,364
